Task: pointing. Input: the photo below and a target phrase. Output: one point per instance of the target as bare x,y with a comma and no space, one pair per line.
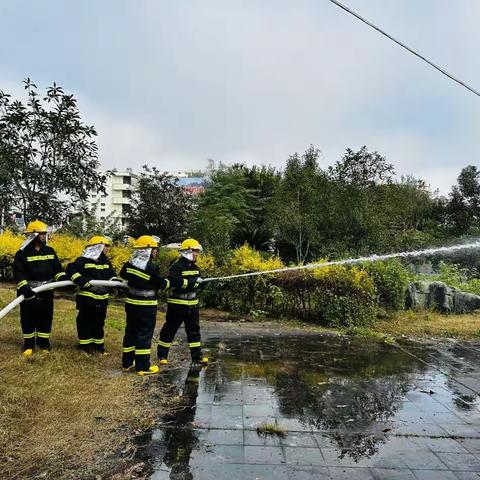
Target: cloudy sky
172,83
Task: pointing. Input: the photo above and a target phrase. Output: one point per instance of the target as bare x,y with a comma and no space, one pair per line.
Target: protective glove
82,282
28,293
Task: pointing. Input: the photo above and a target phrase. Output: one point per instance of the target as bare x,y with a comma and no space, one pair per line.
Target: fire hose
53,285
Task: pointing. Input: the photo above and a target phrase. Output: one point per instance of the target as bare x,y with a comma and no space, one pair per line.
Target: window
125,208
126,194
127,180
102,209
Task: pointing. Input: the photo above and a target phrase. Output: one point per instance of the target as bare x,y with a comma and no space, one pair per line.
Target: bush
456,276
336,296
391,281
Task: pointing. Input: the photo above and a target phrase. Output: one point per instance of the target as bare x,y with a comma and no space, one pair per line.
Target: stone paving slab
343,408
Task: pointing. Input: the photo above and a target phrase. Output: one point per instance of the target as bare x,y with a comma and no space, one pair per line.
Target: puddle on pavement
341,402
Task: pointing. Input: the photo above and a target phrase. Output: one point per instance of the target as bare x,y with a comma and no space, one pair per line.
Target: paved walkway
346,409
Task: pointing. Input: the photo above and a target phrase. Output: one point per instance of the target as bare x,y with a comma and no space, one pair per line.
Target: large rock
426,295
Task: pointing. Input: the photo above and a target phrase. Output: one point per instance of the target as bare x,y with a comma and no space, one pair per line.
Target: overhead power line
370,24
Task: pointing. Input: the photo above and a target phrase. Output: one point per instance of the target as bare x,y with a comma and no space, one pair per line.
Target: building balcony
122,186
121,201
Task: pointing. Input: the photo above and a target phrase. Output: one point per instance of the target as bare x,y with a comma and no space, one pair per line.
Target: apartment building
115,201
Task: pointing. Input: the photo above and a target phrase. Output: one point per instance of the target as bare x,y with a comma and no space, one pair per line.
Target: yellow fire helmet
97,239
191,244
36,227
145,241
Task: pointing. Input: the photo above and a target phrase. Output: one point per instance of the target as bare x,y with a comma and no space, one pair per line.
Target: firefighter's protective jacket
144,284
32,267
185,275
82,270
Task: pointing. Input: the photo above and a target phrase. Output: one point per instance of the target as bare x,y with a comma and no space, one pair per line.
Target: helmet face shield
140,257
92,252
30,238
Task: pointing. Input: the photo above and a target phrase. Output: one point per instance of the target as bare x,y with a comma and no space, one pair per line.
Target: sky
172,83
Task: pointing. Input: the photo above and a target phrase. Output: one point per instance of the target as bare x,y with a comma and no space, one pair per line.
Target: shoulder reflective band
145,351
94,265
40,257
133,271
134,301
74,276
167,286
43,335
188,273
128,349
194,344
21,284
105,296
165,344
177,301
185,283
58,275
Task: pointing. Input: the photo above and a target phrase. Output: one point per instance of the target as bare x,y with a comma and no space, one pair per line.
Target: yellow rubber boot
27,353
151,371
163,361
129,369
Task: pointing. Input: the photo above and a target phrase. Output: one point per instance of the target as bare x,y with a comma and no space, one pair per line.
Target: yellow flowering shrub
66,247
9,244
119,255
206,264
247,259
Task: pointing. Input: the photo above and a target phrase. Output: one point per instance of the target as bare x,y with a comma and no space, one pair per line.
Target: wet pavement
348,408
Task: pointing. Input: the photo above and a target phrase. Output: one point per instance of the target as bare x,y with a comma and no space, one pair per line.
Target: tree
159,206
233,209
48,158
362,169
299,209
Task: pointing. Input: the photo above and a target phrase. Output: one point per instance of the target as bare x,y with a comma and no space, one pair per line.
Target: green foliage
46,153
391,280
299,205
462,212
233,209
159,207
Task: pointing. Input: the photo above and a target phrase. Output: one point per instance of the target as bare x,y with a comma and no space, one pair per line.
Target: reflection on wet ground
350,409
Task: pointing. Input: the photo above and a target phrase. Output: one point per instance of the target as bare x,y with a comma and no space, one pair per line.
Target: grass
428,323
67,415
271,428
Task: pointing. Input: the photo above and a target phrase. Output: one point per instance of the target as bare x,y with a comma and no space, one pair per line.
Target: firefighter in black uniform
144,281
182,304
35,264
92,301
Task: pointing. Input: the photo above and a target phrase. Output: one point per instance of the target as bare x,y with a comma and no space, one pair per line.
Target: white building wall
119,189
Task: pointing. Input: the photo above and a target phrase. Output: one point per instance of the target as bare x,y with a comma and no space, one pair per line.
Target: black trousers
176,314
36,319
137,342
90,325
